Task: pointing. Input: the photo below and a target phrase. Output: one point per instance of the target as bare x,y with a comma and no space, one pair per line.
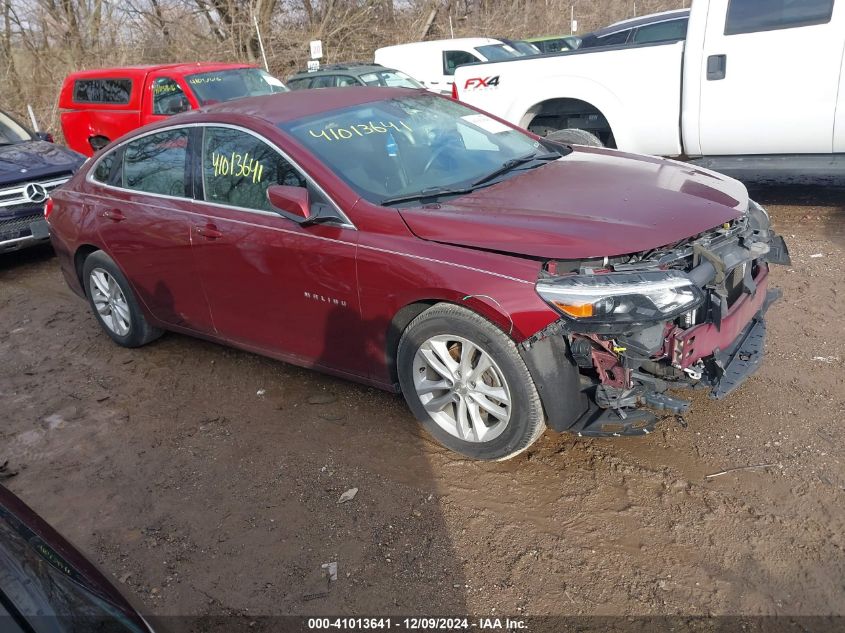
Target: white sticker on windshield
486,123
270,79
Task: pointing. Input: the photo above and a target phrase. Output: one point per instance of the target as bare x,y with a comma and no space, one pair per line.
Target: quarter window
238,168
168,97
749,16
103,171
453,59
157,163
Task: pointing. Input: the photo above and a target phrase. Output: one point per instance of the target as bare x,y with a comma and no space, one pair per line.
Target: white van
433,63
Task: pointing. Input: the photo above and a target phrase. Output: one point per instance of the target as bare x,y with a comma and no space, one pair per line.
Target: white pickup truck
757,87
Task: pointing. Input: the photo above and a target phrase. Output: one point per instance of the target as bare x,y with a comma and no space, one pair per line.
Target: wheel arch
79,257
572,90
410,311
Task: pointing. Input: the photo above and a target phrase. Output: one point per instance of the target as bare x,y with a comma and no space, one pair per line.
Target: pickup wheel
113,302
464,379
574,136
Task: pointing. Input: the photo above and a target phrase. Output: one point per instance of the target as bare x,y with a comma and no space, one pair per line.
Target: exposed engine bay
686,315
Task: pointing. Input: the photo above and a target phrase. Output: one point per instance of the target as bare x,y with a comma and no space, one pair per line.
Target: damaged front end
688,315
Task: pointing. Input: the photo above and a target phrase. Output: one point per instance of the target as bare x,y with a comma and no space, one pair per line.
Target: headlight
621,298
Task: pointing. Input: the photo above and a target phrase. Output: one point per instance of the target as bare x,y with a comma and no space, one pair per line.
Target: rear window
497,52
109,91
749,16
670,31
299,84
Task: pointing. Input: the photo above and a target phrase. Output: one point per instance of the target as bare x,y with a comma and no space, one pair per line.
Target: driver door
166,96
274,286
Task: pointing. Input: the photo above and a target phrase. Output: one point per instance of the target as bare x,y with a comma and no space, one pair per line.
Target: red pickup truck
98,106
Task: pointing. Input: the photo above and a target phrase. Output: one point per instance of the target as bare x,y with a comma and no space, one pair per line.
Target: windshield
390,78
411,144
11,131
498,52
225,85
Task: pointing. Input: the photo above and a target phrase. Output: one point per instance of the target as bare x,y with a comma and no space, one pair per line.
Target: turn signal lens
48,208
577,312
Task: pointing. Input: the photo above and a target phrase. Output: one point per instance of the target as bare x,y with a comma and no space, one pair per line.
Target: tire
574,136
507,385
98,142
118,314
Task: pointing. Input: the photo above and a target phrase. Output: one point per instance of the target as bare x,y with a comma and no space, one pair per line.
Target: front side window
168,97
11,131
157,163
749,16
670,31
225,85
238,168
406,145
453,59
105,91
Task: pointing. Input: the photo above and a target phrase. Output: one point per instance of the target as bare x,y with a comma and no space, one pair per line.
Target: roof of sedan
289,106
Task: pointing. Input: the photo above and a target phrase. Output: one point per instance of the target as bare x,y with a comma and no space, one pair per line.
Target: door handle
208,231
114,215
717,67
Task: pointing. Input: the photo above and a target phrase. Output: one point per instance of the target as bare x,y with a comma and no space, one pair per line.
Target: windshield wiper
513,164
430,193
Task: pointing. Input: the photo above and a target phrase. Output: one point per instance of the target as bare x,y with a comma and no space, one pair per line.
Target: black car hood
33,159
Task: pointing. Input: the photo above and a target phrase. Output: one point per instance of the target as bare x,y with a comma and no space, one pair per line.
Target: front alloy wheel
464,379
462,388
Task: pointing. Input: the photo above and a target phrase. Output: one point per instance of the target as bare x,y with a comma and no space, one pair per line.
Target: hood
33,159
591,203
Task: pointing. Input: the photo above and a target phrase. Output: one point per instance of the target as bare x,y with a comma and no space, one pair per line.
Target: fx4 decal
475,83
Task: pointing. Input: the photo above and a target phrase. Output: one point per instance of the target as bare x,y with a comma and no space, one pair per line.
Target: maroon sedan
500,281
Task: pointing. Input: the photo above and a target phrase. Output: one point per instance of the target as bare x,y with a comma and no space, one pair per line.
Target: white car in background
433,63
756,89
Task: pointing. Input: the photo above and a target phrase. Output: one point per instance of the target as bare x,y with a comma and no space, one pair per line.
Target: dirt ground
206,480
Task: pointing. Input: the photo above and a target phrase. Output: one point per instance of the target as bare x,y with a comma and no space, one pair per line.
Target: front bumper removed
728,363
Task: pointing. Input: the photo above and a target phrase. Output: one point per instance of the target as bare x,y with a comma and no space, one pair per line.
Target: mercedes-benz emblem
35,193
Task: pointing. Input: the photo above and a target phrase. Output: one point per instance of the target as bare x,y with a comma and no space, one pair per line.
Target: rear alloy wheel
109,302
466,382
114,303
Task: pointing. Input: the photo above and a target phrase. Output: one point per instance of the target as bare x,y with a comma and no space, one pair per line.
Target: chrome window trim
89,176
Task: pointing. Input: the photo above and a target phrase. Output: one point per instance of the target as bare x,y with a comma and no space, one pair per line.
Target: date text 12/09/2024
416,624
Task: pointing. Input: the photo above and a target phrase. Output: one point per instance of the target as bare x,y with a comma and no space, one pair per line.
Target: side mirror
290,200
44,136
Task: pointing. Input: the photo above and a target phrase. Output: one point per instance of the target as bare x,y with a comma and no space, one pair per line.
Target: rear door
274,286
140,198
770,75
